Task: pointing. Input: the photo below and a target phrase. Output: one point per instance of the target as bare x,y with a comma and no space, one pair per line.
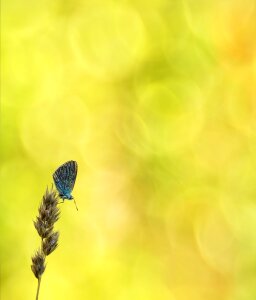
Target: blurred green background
156,101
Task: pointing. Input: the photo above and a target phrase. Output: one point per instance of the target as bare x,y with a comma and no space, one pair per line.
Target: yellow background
156,101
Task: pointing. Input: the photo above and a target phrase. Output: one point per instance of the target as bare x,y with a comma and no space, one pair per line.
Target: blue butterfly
64,178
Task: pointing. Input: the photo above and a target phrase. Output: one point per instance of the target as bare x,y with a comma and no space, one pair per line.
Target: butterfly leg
60,202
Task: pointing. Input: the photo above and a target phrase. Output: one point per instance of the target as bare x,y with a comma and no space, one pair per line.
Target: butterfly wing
65,176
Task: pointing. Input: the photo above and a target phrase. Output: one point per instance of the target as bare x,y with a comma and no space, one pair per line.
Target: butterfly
64,178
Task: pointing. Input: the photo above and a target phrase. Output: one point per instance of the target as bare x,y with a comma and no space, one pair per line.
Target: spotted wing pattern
65,176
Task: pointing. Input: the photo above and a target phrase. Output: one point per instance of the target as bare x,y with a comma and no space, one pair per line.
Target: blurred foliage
156,101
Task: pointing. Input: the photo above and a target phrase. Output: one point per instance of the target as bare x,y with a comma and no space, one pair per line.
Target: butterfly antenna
75,205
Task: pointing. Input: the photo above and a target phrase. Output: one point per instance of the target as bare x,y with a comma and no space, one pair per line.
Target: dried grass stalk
49,213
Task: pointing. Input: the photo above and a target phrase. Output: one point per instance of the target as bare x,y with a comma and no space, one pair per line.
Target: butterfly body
64,178
66,196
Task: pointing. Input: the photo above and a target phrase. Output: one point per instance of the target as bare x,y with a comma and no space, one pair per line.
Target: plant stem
38,287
